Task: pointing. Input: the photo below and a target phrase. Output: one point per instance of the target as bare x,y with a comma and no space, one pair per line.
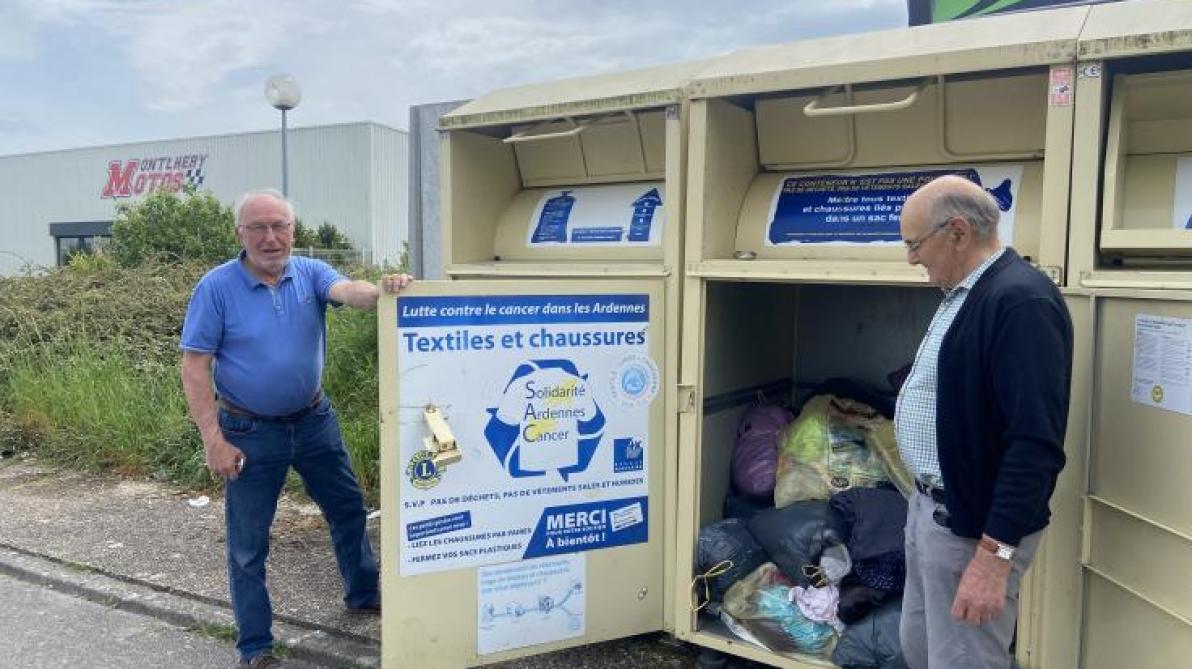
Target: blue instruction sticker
864,208
552,221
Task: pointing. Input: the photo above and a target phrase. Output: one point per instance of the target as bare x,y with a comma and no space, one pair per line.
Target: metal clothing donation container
797,284
528,440
1117,590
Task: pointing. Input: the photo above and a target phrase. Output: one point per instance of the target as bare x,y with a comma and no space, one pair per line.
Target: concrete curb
305,642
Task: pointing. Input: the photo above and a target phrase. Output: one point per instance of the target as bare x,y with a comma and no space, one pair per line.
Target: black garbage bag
858,600
727,543
875,518
795,535
744,507
872,642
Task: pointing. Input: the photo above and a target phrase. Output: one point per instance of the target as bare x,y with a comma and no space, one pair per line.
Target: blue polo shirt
269,343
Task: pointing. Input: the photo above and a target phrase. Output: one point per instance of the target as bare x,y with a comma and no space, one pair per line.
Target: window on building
74,238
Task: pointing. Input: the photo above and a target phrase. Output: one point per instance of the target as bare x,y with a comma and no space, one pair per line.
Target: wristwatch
1000,550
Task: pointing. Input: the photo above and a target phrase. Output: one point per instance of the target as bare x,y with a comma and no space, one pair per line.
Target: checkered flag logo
195,177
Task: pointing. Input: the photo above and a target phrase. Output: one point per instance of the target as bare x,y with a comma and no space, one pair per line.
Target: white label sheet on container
1162,371
862,208
1181,218
612,215
548,397
530,602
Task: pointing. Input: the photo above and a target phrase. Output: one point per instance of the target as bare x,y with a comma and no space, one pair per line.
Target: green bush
173,227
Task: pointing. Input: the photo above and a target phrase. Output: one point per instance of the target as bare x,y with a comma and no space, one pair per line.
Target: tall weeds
89,373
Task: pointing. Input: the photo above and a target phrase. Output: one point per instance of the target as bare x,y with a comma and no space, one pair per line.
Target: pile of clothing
809,557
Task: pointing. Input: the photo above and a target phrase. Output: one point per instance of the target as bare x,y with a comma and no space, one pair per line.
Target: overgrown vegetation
89,355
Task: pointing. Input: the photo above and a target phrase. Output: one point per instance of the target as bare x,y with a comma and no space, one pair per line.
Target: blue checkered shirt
914,417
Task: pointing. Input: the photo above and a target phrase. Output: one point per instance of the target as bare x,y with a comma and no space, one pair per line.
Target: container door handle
813,108
526,136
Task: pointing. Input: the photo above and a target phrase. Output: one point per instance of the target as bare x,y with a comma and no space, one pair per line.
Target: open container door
1131,250
522,429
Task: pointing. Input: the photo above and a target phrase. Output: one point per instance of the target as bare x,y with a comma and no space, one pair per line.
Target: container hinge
686,398
1053,272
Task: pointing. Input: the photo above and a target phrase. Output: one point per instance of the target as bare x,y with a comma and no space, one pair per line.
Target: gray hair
974,205
238,208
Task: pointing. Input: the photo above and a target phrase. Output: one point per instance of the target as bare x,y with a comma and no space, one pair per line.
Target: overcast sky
88,72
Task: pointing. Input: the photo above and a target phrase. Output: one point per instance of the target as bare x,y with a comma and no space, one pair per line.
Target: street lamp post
283,93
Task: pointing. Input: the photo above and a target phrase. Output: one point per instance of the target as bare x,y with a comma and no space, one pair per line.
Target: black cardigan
1002,402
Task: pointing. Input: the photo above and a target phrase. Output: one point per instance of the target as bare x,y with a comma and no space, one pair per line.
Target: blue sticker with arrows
606,215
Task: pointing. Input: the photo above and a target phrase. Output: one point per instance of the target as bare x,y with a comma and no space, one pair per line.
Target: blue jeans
310,442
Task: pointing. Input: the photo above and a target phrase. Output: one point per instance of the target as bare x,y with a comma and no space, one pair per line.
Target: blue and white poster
862,208
609,215
1181,218
548,398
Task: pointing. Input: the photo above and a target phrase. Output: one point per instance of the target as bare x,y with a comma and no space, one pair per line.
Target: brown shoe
262,661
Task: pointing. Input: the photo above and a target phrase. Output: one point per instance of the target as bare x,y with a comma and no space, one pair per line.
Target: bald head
253,197
953,196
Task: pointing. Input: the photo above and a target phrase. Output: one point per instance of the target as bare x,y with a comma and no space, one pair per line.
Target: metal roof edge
223,135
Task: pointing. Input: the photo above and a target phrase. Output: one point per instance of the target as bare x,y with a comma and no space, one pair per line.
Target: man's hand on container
393,283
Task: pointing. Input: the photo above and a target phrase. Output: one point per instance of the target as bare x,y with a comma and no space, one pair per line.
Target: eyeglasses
912,245
258,229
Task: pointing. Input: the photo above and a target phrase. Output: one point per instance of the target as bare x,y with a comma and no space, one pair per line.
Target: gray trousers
935,560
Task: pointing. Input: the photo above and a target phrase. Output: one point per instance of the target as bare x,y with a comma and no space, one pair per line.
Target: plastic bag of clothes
725,552
881,440
741,506
872,642
795,536
825,451
755,453
761,604
874,519
858,600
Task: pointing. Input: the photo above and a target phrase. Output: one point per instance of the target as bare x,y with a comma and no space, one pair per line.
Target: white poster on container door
612,215
1181,218
548,398
1162,370
862,208
530,602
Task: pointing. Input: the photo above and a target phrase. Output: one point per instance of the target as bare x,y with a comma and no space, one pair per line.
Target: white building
352,175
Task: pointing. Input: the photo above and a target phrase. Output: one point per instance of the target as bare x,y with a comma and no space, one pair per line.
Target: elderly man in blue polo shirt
255,327
980,422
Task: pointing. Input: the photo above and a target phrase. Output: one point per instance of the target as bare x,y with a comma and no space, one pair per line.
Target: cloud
183,52
18,125
180,51
465,48
163,68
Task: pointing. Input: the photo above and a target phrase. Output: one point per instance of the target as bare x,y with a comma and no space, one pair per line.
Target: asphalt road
44,629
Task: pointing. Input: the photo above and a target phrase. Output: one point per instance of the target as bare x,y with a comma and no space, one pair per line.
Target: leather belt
934,492
240,411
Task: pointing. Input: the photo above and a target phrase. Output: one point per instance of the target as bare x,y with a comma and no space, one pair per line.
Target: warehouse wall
351,175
